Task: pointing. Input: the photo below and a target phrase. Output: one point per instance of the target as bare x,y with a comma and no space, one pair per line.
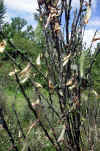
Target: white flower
38,60
37,85
88,15
50,84
2,46
70,82
13,72
61,137
25,70
26,78
66,59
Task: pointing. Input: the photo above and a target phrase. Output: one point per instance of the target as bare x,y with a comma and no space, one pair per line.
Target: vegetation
49,94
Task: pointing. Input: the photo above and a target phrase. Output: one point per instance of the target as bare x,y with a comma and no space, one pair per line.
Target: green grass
49,149
19,101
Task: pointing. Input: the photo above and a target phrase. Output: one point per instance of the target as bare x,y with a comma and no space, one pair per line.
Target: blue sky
26,8
21,8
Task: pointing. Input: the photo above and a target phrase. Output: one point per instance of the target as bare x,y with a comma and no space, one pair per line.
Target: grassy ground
26,117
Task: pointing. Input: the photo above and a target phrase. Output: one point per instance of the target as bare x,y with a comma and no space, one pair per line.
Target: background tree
62,98
95,72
